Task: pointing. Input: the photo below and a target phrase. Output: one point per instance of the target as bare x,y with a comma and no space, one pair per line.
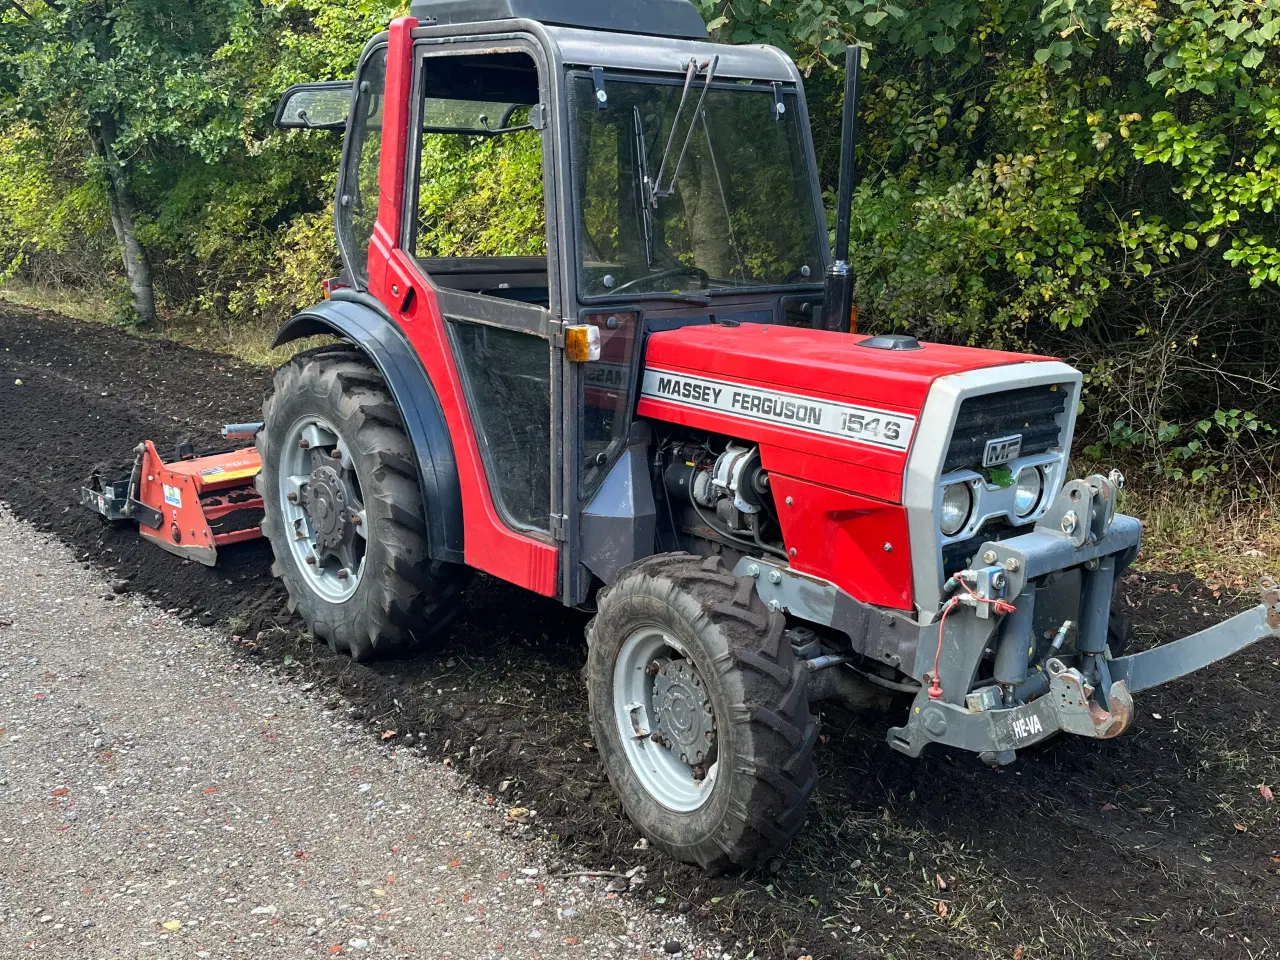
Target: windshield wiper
675,298
655,190
646,210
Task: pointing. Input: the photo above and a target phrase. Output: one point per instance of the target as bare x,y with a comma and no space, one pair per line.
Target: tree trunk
123,221
709,227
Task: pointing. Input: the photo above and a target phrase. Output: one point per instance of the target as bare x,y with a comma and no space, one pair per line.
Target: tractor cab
562,164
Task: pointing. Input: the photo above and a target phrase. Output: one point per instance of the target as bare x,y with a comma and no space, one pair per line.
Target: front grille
964,553
1030,411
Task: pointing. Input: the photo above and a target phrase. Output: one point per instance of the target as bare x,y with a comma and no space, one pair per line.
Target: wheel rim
323,509
663,711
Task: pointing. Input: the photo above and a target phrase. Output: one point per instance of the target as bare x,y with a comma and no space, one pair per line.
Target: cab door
459,255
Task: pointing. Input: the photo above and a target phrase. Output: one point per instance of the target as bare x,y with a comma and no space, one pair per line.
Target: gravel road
162,794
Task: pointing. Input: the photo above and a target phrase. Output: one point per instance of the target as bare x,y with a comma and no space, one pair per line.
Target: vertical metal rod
837,305
1013,653
848,144
1095,615
1095,606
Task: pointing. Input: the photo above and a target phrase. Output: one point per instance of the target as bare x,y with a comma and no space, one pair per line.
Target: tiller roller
191,506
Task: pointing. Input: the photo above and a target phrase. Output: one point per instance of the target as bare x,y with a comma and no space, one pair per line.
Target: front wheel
344,511
700,711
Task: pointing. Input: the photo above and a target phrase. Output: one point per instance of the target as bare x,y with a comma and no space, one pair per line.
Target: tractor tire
1119,632
688,624
399,596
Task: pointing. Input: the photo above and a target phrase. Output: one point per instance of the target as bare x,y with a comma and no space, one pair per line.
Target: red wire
1000,606
935,688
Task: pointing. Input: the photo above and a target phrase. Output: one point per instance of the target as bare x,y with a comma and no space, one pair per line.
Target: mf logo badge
1002,450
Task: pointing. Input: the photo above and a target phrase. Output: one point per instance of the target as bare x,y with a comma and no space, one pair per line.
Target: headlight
1030,488
957,503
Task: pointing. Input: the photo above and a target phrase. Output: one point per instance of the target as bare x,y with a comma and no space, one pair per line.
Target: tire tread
414,596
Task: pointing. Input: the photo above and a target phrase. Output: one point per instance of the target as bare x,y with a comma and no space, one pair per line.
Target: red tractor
638,392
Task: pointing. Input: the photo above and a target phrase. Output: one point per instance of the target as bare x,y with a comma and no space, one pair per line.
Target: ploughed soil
1163,843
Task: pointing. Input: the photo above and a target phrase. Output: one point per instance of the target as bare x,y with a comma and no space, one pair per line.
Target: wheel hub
683,712
328,503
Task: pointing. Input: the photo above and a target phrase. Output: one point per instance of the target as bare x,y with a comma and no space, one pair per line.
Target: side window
480,223
509,392
606,388
358,203
479,227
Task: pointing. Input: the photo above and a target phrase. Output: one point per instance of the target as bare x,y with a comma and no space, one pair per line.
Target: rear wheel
344,511
700,711
1119,632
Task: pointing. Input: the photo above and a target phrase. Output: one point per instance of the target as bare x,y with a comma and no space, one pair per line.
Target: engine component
734,486
687,480
738,475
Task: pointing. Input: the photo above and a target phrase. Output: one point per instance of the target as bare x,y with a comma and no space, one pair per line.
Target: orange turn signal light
582,343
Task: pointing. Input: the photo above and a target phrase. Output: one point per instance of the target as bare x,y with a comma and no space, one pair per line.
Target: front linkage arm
1027,701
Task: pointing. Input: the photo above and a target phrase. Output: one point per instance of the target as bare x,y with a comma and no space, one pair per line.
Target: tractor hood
818,362
831,400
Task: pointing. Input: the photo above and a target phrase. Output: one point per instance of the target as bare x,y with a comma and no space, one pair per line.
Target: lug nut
293,498
355,519
311,561
699,773
304,443
652,669
344,573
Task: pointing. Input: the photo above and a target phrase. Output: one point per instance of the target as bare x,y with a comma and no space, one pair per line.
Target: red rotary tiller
192,506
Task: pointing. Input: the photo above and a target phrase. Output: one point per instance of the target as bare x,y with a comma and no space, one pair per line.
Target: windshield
737,211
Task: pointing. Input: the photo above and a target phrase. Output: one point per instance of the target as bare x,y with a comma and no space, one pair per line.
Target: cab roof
659,18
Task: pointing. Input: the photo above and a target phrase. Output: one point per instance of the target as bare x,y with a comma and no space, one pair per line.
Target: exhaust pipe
837,303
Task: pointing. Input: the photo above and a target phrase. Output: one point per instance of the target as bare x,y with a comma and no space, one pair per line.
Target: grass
1228,545
250,342
68,301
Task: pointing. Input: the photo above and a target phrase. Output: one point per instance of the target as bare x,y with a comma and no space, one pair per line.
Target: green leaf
1234,28
1001,476
871,18
1043,54
944,43
1252,58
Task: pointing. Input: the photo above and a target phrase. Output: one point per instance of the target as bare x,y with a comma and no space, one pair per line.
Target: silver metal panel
1169,661
922,492
991,502
619,525
1041,552
596,48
